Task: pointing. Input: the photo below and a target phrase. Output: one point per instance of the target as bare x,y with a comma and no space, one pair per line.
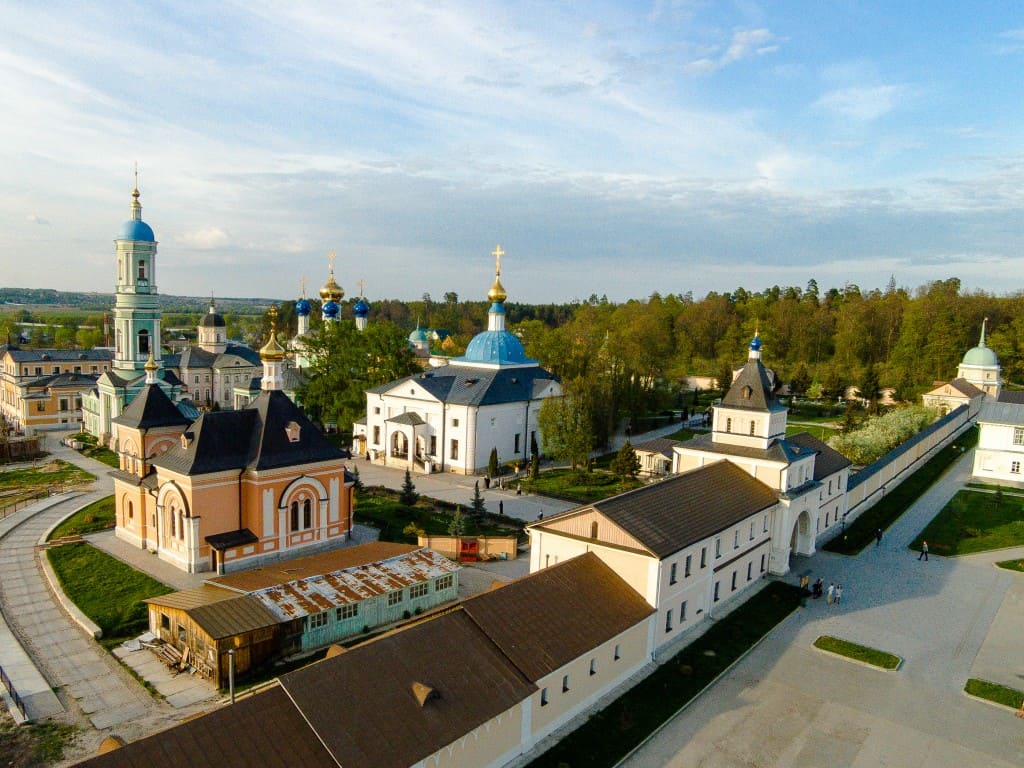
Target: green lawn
581,487
94,451
819,431
871,656
381,508
34,744
896,501
682,435
108,591
609,734
975,522
1000,694
1011,565
17,485
98,516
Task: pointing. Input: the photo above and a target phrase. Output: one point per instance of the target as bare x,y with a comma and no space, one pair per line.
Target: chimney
424,693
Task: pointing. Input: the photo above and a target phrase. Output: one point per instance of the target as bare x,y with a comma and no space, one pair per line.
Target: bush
882,433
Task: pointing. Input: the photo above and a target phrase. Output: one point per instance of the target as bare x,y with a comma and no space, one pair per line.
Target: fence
33,497
11,690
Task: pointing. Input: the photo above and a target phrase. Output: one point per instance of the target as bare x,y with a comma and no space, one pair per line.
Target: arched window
174,520
142,269
143,342
181,526
307,514
131,511
295,515
593,530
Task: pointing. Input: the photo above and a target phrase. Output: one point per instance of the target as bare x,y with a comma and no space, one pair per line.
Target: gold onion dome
272,351
497,292
331,291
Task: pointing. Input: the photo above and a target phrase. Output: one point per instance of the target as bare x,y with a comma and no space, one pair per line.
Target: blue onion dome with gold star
330,309
303,307
135,228
361,308
755,343
496,346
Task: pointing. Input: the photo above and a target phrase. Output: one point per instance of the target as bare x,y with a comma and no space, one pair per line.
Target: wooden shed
209,622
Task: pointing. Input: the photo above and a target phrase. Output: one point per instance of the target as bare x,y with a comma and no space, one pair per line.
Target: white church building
448,419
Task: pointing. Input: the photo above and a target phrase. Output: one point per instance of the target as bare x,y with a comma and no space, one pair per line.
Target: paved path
49,648
788,705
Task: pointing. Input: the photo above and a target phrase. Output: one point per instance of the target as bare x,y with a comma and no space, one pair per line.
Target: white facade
1000,452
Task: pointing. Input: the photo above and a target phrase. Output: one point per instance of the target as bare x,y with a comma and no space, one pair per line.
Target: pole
231,674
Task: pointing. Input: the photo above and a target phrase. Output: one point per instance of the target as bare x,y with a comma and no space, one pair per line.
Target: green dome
981,356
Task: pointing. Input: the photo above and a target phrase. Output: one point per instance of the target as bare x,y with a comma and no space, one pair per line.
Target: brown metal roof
681,510
190,598
828,461
264,730
228,618
364,708
545,620
311,565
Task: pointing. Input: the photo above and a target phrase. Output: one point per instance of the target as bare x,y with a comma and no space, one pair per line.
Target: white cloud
33,218
745,44
863,103
204,239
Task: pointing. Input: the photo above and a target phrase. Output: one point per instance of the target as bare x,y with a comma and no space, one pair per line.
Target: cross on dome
497,253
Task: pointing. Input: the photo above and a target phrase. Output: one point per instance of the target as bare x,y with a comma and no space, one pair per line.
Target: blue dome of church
418,335
331,309
495,348
137,230
755,343
361,308
303,307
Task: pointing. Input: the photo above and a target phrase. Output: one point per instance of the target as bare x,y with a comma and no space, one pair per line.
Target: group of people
834,593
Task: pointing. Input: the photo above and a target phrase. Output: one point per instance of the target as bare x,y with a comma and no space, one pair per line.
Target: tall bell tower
136,307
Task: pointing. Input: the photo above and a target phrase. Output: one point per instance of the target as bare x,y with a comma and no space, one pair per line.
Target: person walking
878,537
839,593
924,551
819,587
831,593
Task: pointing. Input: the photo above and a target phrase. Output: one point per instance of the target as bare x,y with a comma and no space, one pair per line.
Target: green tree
566,428
626,463
492,463
346,363
457,524
478,506
357,481
801,380
534,466
408,495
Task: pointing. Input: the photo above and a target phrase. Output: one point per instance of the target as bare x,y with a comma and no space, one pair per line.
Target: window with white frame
444,582
417,590
394,598
1018,435
317,620
1015,467
349,611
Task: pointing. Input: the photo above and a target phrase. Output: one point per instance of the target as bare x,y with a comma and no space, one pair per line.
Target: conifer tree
408,495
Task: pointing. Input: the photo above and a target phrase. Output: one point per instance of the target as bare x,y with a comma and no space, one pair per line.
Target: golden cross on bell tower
362,286
497,253
302,282
331,257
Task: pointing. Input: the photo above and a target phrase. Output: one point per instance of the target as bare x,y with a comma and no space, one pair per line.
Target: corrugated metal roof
190,598
228,618
302,597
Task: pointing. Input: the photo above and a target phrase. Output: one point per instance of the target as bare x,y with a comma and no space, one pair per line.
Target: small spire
497,293
362,287
302,282
151,368
136,205
982,342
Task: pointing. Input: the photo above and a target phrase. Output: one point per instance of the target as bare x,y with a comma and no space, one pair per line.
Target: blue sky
612,148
